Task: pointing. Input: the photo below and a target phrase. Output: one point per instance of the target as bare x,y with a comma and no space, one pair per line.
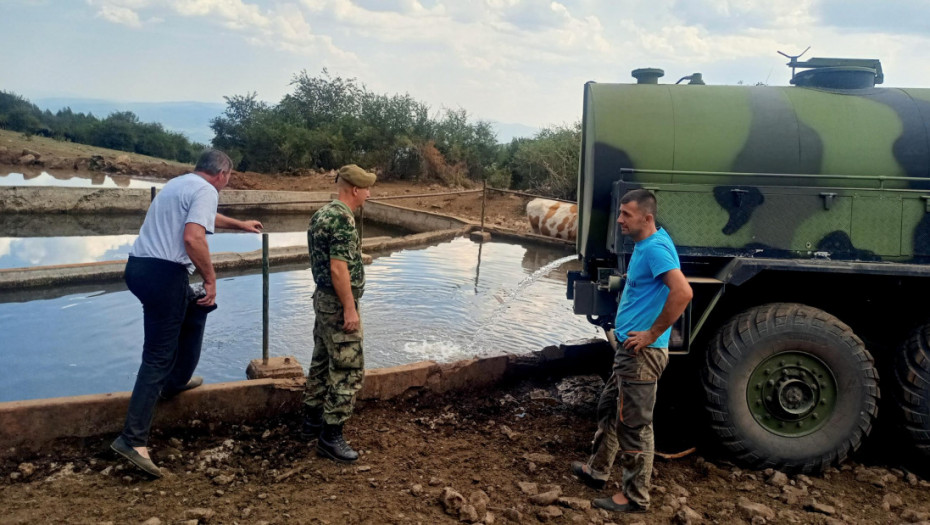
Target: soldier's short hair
213,162
643,198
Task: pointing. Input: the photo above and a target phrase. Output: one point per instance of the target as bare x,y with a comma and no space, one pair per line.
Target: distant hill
190,118
193,118
507,131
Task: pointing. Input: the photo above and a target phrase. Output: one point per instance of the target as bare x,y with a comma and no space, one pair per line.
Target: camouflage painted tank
801,218
720,158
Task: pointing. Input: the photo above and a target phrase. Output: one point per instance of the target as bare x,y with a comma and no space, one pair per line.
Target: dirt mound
37,154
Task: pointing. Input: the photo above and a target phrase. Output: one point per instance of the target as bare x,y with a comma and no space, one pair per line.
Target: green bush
547,164
326,122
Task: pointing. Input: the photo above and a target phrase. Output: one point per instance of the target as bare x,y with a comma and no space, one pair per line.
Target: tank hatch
836,73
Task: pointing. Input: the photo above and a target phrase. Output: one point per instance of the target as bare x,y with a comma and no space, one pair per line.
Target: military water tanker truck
802,219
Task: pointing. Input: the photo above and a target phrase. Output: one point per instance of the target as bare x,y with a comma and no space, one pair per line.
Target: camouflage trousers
624,425
338,364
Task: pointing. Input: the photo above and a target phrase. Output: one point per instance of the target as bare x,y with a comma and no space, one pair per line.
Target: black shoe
312,425
122,448
333,446
578,469
608,504
193,383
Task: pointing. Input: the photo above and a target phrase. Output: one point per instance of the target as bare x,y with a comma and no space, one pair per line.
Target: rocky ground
34,155
492,457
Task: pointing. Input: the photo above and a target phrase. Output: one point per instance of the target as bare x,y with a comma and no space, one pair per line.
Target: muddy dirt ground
64,159
495,449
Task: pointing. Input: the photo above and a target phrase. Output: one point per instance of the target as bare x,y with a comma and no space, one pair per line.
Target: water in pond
41,240
97,180
430,303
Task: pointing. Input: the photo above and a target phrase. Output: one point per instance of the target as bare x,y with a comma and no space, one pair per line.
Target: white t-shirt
184,199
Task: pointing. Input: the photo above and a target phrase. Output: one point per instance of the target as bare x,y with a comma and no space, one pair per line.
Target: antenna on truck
794,59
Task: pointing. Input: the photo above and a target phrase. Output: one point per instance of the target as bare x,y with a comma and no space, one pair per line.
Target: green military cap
356,176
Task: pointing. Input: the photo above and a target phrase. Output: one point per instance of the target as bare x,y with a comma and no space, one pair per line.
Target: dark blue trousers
174,325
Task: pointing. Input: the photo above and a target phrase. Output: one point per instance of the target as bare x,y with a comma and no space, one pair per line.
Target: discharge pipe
265,299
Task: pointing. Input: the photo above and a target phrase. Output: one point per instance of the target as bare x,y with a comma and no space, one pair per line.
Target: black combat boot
312,425
333,446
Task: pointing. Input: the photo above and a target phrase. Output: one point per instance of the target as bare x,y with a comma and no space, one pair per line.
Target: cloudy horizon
517,61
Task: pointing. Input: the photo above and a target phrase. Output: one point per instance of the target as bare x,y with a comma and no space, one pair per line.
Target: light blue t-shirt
644,293
184,199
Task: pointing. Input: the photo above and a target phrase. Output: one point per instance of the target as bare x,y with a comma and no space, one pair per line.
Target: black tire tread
912,375
727,347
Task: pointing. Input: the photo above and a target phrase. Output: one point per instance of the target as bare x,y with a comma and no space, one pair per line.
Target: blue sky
521,61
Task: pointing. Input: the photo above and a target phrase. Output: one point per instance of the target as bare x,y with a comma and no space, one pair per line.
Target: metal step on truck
801,215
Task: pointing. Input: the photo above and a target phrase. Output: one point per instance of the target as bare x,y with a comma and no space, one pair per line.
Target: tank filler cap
694,79
648,75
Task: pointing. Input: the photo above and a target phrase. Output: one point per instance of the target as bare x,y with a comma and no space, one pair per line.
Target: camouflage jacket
332,235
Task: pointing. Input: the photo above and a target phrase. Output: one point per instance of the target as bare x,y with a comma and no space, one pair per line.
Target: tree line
120,130
327,121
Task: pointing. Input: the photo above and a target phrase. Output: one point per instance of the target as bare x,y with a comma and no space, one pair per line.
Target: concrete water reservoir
439,302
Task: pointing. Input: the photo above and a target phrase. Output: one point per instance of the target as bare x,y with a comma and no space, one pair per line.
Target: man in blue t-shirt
655,294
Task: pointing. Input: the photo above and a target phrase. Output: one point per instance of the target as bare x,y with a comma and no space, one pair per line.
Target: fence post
484,197
264,298
361,223
153,194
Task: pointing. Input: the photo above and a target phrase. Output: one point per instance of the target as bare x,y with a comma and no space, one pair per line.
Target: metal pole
533,195
153,194
484,197
265,298
361,223
422,195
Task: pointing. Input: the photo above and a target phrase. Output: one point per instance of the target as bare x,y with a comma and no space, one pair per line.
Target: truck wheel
912,371
791,387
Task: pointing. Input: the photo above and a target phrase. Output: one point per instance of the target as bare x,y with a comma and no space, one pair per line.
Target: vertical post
153,194
265,298
361,223
484,197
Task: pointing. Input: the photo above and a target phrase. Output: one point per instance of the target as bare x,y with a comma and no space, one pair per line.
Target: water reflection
71,180
419,304
41,240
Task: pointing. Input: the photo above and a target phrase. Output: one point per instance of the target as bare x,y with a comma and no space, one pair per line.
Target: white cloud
234,14
119,15
506,60
43,251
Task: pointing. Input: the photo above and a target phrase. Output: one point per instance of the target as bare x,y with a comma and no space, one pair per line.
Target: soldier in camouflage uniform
655,295
338,364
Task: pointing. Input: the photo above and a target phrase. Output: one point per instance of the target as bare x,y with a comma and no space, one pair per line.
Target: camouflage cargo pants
338,364
625,421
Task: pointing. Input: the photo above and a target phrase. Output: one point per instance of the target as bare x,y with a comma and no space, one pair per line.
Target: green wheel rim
791,394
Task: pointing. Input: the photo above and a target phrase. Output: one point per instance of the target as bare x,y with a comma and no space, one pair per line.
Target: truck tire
912,372
790,387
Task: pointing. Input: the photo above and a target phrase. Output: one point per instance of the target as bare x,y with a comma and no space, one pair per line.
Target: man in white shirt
172,244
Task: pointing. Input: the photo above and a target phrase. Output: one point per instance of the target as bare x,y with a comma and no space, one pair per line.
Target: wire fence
484,191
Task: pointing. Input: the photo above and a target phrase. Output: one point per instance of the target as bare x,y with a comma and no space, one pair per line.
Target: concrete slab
469,374
479,236
275,368
388,383
112,271
42,199
411,219
28,427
